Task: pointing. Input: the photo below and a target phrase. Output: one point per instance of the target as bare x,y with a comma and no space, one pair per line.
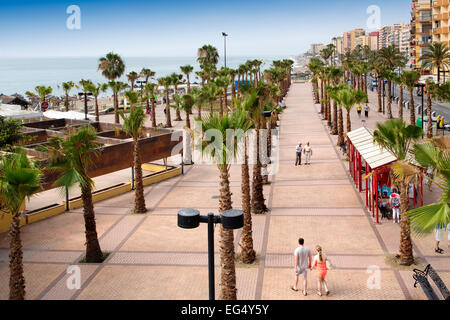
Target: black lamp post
191,219
225,35
141,84
85,94
422,86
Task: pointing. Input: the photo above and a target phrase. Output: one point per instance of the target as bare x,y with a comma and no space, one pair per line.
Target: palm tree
207,55
67,86
43,92
410,79
212,92
247,250
19,179
379,69
335,76
185,103
435,154
150,91
222,86
71,158
200,99
176,81
390,76
398,79
437,56
112,67
396,137
187,70
221,155
96,90
147,74
132,77
315,65
133,125
347,99
166,83
85,84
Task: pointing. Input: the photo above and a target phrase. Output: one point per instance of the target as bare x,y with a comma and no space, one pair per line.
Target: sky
147,28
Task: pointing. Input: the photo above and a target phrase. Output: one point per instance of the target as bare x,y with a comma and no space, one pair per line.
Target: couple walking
306,150
304,261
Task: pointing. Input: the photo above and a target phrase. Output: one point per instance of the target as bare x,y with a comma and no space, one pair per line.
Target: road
441,108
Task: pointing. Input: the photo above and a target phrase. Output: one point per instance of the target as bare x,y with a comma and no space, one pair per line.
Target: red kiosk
368,159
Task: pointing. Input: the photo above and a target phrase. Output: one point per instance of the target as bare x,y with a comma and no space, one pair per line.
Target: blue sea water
18,75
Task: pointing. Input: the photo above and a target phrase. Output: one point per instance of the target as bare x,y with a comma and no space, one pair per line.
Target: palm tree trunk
221,105
248,253
406,250
97,115
258,204
153,113
199,111
168,120
389,103
430,120
188,83
380,107
400,104
16,278
340,127
412,108
228,271
116,108
225,94
335,119
321,97
67,102
139,200
93,252
349,123
211,109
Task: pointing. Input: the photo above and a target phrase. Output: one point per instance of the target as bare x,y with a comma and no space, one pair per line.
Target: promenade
151,258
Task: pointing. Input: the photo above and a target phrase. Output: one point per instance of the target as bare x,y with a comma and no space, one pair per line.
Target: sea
18,75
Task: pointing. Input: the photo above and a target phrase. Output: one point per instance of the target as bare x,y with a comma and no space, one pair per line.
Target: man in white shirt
308,153
299,150
302,264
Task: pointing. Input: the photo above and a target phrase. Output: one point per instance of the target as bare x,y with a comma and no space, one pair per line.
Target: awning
371,152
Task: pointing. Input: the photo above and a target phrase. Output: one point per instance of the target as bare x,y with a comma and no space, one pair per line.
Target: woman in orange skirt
320,263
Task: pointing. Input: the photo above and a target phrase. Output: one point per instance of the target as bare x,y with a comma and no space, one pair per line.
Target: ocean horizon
18,75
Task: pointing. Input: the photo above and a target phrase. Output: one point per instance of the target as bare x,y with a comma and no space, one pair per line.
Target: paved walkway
151,258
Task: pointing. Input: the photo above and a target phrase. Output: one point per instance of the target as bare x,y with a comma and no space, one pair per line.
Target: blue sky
177,28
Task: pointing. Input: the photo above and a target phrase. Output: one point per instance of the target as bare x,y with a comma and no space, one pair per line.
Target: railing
421,277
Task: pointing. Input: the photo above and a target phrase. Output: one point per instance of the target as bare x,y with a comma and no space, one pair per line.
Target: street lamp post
85,94
225,35
191,219
422,86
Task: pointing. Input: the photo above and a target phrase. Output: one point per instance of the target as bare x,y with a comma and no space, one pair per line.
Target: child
359,109
321,263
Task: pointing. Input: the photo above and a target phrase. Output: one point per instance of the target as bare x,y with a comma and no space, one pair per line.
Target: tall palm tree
396,137
185,103
437,56
19,179
176,81
132,77
96,90
207,55
71,158
200,99
347,99
112,67
117,87
147,74
133,125
212,92
166,82
187,70
398,79
335,77
379,69
222,85
410,79
434,154
221,153
315,65
85,84
67,86
150,91
390,76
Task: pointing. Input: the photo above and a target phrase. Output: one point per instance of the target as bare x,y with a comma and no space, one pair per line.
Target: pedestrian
439,232
366,110
321,264
298,160
359,109
308,153
430,175
302,263
394,201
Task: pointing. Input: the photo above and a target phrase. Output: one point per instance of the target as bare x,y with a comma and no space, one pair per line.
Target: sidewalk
151,258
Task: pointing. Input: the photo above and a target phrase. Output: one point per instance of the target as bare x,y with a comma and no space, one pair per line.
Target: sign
44,106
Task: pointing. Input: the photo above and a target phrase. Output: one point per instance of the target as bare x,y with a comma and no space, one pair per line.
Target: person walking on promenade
302,263
394,201
439,231
366,110
321,264
308,153
359,109
298,160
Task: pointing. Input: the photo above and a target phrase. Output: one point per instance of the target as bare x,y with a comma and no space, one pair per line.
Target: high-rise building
349,39
421,30
337,42
373,40
316,48
441,21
